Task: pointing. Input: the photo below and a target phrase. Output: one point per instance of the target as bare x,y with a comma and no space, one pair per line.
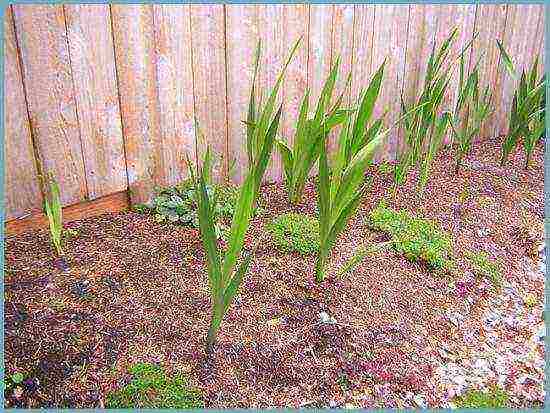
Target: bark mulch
137,291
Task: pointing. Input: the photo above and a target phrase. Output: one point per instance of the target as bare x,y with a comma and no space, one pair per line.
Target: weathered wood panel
319,49
363,36
22,190
208,42
50,96
272,27
134,41
93,67
175,89
390,42
489,24
296,25
243,32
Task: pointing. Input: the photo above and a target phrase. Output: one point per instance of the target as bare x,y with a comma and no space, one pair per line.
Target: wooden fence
105,97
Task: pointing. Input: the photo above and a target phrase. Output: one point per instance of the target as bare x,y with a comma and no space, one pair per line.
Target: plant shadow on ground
146,296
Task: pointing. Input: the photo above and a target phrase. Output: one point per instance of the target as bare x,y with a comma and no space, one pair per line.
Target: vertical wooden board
461,17
175,89
50,96
519,36
538,43
320,45
135,62
271,29
342,42
208,45
22,190
242,35
363,34
390,42
422,32
96,93
296,80
489,24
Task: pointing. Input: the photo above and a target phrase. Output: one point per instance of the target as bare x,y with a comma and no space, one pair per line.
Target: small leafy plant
54,213
483,266
151,388
416,238
295,232
177,205
495,397
527,112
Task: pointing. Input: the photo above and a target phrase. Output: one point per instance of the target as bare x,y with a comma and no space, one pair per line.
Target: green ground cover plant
484,267
295,232
417,239
494,397
151,388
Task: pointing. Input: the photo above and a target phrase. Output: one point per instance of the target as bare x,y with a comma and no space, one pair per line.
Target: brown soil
137,291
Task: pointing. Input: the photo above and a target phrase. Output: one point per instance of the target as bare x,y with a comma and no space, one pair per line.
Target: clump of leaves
493,397
385,168
177,205
152,388
295,232
417,239
425,129
483,266
527,112
471,110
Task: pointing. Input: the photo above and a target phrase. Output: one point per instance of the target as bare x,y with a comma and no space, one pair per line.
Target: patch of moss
295,232
150,387
484,267
494,397
417,239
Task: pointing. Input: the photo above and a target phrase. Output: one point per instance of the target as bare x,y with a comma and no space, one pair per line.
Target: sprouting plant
471,110
298,160
417,239
223,280
310,133
295,232
425,129
359,255
339,193
54,213
386,168
150,387
483,266
527,112
259,118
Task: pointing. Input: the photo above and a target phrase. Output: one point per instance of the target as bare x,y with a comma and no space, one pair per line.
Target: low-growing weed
177,205
295,232
417,239
484,267
150,387
493,397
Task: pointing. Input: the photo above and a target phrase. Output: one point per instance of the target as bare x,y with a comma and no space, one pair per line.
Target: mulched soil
137,291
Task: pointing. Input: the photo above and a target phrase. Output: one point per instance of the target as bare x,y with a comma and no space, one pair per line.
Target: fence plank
208,45
22,190
135,59
50,96
490,23
363,35
96,94
390,40
319,49
175,89
243,32
296,24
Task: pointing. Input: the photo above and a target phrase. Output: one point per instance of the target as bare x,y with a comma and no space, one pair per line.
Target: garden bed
388,333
